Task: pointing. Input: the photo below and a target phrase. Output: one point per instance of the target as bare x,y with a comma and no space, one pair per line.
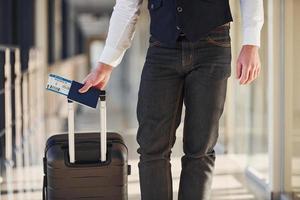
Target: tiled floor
228,183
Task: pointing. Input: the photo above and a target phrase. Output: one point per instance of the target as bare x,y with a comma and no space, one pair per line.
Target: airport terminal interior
258,150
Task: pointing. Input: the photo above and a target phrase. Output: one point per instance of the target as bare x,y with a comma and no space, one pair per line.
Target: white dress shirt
126,12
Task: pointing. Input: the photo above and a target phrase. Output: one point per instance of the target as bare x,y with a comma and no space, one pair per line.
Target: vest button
152,6
179,9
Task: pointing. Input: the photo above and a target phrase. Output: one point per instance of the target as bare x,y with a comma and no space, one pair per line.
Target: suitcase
90,166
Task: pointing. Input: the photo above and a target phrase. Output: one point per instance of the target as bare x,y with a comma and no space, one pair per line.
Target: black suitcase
92,175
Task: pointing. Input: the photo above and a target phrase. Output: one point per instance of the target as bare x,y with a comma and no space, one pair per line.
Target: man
188,61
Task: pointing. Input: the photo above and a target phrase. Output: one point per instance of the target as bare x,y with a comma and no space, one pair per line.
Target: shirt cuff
251,36
111,56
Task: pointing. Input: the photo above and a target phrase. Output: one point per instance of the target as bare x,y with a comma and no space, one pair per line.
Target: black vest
194,18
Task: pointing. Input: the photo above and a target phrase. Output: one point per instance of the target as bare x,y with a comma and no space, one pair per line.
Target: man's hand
248,64
97,78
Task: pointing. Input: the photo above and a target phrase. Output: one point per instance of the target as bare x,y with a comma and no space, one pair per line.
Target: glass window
292,106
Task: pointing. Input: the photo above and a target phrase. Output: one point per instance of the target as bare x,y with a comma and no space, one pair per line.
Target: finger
245,75
256,72
238,70
86,87
104,84
101,85
251,75
258,68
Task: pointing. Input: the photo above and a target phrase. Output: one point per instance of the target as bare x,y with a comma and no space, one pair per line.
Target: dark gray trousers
193,73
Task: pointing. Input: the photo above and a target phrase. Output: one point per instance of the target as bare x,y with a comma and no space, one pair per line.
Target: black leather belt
182,35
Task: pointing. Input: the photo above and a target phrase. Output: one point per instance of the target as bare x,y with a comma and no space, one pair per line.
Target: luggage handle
103,129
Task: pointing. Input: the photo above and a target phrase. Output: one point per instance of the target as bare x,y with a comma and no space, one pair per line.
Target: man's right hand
98,78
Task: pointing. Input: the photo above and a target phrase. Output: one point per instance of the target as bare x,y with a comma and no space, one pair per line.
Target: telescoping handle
71,134
103,133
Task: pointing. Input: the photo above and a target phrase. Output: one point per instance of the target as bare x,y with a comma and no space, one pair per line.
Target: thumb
86,87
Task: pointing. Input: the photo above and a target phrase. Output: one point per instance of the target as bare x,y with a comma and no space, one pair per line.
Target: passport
70,89
89,98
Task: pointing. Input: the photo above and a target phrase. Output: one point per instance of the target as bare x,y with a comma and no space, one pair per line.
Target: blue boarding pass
70,89
58,84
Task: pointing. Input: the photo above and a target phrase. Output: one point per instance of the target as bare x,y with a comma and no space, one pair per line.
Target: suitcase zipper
63,142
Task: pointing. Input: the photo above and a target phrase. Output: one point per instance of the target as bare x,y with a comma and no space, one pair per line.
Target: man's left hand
248,64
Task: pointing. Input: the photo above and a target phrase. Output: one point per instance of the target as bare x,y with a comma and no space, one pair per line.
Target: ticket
58,84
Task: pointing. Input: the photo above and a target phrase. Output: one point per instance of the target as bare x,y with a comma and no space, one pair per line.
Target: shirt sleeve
253,20
121,31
